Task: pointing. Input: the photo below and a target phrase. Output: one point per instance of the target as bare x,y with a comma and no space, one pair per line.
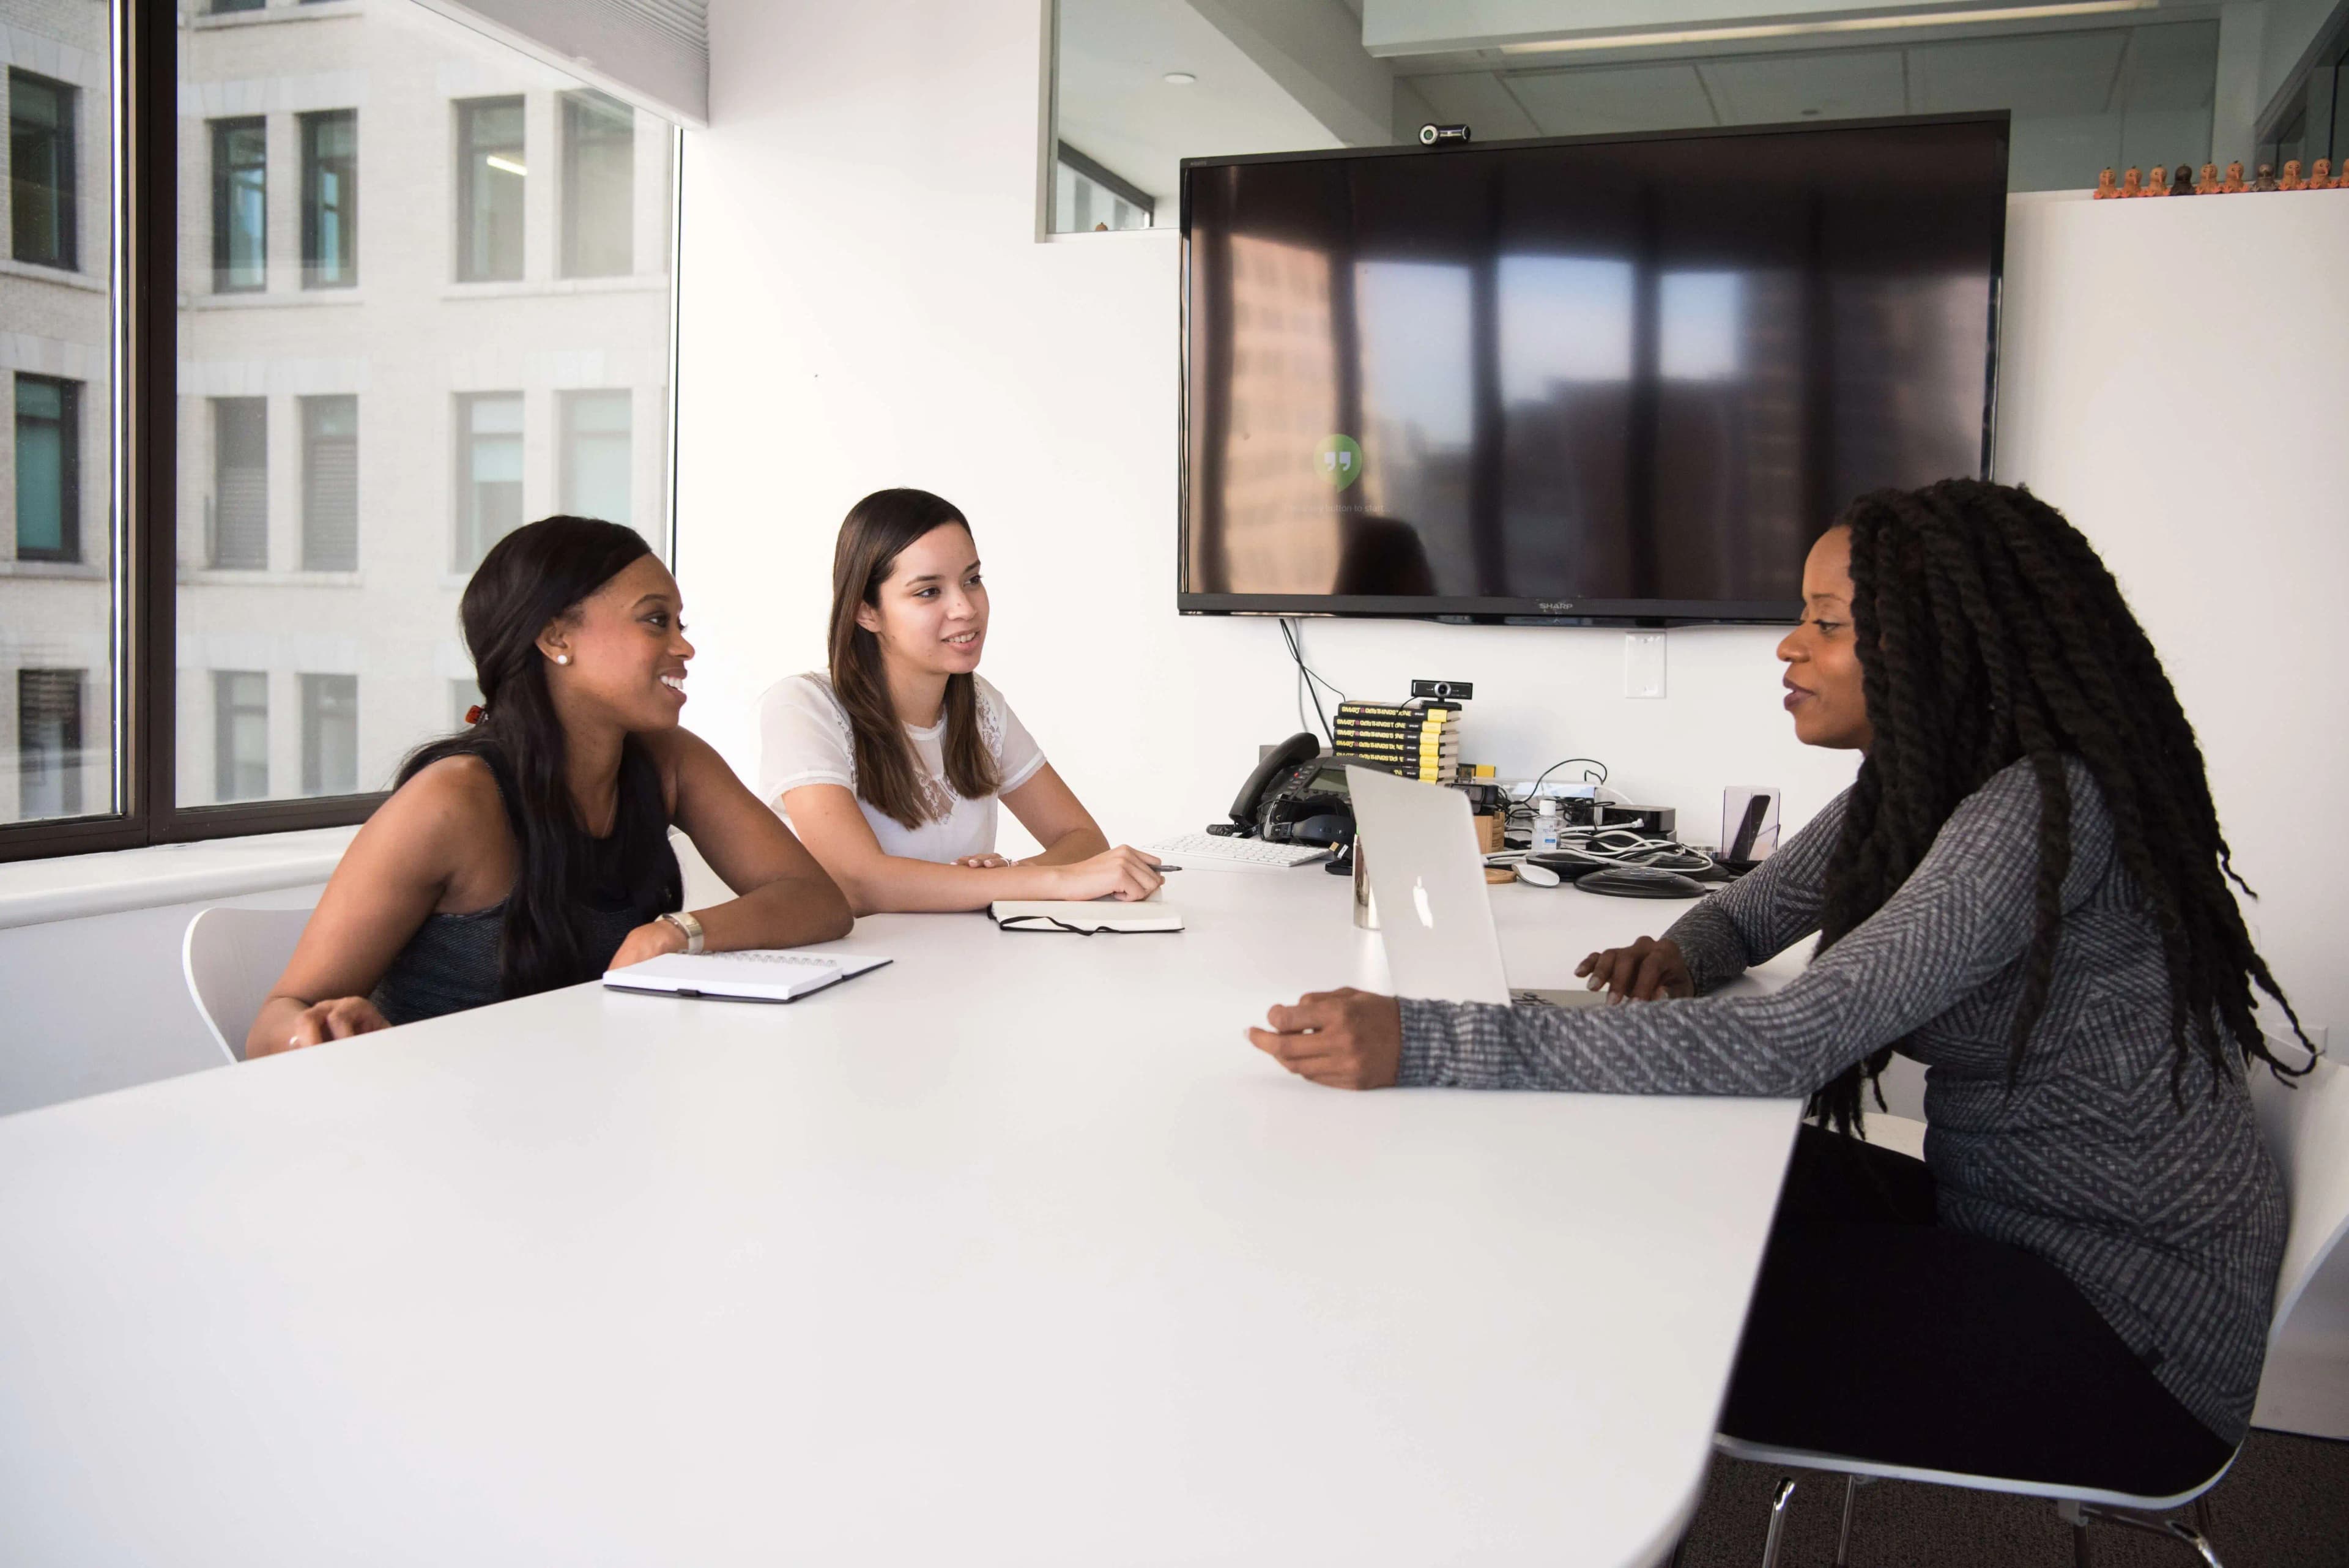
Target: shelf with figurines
2185,182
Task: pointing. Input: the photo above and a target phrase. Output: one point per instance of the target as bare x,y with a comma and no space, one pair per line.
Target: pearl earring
561,658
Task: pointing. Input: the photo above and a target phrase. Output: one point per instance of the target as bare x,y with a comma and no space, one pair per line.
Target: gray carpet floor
2285,1504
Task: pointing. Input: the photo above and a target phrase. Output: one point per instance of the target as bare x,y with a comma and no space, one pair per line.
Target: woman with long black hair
2026,890
531,851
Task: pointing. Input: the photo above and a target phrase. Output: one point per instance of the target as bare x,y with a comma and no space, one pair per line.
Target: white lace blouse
804,739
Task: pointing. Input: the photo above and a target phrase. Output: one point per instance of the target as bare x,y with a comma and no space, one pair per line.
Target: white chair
2306,1127
232,957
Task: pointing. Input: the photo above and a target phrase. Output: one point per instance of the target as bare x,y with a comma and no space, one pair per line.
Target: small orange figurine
2132,183
2291,180
2157,181
2106,190
2181,181
2207,184
2234,179
2321,177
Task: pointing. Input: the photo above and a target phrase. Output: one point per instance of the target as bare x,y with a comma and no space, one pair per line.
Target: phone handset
1301,747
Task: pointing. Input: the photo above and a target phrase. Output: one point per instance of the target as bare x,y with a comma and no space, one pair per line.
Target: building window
489,472
240,520
240,734
240,205
41,208
330,199
490,171
1086,196
595,455
599,185
49,469
330,735
223,7
330,483
48,742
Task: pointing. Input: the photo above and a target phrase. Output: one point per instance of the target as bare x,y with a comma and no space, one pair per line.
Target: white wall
864,306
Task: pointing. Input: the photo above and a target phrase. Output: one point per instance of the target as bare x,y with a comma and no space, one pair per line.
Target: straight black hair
538,574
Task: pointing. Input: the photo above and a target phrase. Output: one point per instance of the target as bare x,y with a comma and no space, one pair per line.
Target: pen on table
1162,866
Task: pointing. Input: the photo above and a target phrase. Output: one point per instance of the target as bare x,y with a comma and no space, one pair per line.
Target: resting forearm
899,885
1077,843
789,913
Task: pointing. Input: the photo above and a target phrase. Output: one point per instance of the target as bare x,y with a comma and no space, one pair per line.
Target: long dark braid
1989,632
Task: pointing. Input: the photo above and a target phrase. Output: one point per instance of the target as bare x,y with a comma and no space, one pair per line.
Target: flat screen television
1600,379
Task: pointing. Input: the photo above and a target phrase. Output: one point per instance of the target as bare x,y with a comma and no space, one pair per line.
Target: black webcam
1455,135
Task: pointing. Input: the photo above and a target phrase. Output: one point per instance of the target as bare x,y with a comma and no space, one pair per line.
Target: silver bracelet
684,921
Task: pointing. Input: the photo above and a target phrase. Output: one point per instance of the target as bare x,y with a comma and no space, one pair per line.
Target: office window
489,472
41,209
240,734
49,469
240,520
330,483
48,742
330,199
240,205
595,455
489,172
599,185
330,735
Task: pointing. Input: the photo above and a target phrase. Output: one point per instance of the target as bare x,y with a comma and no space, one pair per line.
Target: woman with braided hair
2027,890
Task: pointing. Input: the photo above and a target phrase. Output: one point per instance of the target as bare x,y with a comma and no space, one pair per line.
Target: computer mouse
1538,875
1639,882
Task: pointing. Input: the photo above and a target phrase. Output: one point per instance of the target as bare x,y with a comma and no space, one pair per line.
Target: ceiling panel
1478,100
2058,74
1763,89
1628,98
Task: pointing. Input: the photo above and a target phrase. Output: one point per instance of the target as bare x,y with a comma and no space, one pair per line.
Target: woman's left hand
1347,1039
650,939
983,862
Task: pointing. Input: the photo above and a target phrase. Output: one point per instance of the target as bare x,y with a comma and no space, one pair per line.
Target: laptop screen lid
1428,875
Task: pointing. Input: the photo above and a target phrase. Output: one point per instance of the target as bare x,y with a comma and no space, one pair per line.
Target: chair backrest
232,957
2306,1125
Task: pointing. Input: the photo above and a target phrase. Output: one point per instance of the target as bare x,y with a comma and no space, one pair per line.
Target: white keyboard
1183,849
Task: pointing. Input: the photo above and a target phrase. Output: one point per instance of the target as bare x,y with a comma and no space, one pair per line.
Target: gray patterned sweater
2171,1224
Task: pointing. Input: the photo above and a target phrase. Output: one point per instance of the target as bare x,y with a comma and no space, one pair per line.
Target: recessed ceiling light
1180,78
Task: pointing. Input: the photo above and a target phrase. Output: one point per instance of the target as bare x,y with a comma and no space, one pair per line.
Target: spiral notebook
754,974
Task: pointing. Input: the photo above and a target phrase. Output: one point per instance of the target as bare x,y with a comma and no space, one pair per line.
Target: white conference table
1012,1251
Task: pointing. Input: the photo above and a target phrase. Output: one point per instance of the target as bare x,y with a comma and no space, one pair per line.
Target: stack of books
1418,740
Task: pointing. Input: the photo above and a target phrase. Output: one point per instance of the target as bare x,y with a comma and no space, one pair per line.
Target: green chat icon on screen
1337,460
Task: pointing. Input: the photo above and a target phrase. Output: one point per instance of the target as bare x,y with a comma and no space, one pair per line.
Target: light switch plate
1643,664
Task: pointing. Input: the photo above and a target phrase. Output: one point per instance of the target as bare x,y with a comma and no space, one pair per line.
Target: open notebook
1085,917
754,974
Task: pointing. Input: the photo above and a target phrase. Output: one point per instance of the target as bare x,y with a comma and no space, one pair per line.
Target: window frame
218,170
66,192
308,127
69,415
143,164
468,111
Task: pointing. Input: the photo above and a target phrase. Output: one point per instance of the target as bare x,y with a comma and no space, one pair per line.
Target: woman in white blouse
890,769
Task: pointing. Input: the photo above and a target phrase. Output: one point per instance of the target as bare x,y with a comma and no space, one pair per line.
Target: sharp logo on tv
1338,460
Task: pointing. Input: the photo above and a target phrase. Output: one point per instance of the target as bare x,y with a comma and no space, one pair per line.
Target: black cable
1308,677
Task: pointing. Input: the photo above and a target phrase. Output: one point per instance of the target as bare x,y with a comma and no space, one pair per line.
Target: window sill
272,298
76,571
256,577
317,11
66,277
71,886
512,289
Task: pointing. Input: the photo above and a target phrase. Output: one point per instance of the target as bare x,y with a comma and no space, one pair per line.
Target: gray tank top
451,965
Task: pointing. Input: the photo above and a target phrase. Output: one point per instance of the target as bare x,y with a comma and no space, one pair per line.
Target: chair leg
1778,1521
2177,1529
1843,1536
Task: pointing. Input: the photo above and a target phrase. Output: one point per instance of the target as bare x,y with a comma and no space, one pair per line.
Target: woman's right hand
1643,971
337,1018
1124,873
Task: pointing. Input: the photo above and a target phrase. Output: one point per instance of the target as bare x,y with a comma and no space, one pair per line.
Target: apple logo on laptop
1418,902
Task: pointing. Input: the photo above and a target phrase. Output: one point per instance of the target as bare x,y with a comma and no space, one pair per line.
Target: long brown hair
875,533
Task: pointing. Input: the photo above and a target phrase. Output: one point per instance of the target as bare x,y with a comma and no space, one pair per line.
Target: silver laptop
1427,874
